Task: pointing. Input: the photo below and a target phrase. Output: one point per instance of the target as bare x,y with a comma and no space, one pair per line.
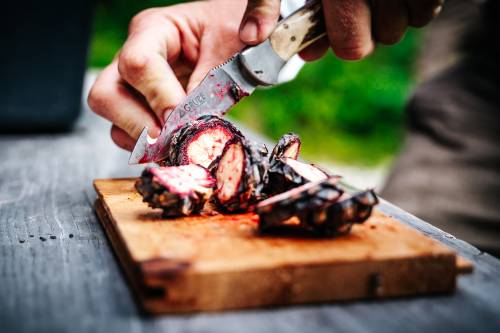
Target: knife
226,84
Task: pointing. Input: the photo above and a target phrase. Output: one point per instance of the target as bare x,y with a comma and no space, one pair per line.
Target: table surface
58,272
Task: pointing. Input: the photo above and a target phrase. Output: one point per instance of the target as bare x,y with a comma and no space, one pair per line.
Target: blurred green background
348,112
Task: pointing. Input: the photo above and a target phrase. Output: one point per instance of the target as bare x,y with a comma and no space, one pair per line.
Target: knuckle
132,64
97,98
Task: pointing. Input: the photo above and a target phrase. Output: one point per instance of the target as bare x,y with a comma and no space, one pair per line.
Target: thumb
259,20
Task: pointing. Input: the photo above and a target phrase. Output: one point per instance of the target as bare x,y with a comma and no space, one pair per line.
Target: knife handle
299,30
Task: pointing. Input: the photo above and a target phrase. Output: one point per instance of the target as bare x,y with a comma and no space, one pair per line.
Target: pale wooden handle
298,30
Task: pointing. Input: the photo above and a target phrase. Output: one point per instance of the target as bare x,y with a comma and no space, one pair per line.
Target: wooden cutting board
219,262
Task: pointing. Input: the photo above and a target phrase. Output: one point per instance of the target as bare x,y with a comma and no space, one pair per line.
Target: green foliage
344,111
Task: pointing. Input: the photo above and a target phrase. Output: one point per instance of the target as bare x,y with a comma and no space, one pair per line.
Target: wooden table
58,273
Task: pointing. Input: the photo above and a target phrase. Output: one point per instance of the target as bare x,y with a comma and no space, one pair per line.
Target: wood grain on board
220,262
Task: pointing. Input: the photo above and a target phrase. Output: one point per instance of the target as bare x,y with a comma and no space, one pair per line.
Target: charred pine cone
286,173
287,146
199,142
241,175
351,209
316,207
179,191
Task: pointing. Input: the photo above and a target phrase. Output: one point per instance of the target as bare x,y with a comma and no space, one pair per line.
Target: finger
349,28
199,73
390,20
112,99
215,48
121,138
143,64
207,61
259,20
422,12
315,51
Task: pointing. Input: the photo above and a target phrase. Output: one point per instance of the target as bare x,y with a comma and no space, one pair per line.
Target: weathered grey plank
74,283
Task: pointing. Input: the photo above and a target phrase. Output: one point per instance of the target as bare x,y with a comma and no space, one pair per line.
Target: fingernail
249,32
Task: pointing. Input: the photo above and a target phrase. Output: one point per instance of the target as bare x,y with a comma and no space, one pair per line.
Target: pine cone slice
287,146
199,142
241,175
179,191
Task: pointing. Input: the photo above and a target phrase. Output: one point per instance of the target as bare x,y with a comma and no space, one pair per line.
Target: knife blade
221,88
226,84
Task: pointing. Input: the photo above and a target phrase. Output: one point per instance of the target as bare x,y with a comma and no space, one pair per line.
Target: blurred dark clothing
42,63
449,170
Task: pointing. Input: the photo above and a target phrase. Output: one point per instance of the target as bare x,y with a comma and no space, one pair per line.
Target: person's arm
353,26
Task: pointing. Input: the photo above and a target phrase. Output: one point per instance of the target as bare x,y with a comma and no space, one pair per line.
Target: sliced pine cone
349,210
287,146
241,175
286,173
199,142
179,191
316,207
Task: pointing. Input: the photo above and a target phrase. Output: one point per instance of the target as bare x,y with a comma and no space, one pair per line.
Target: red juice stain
222,91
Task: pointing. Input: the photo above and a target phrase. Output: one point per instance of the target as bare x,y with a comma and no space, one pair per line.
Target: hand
167,53
353,26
